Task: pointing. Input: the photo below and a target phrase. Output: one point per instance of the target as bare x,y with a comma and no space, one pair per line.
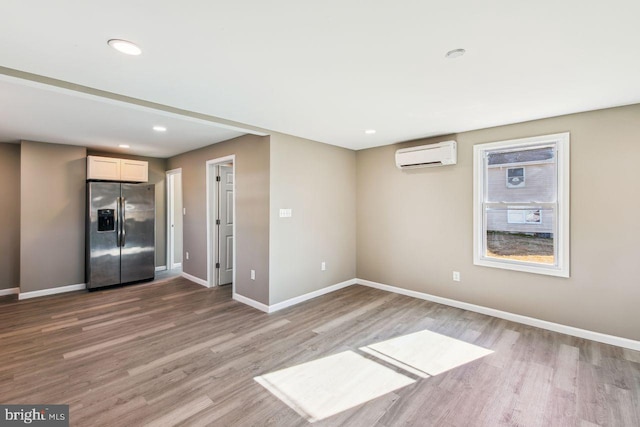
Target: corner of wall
317,183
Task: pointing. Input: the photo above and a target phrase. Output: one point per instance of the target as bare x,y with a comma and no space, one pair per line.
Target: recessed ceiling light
370,131
125,47
455,53
123,146
160,128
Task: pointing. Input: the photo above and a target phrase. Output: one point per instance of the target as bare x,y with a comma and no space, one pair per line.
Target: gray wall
9,216
52,211
415,227
157,169
252,211
316,181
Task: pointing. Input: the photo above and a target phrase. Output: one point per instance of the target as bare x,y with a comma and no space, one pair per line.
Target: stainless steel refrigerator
120,233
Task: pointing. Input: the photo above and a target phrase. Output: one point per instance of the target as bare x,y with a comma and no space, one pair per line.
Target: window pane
521,197
522,176
521,233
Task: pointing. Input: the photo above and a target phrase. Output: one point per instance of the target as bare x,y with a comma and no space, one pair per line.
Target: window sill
525,267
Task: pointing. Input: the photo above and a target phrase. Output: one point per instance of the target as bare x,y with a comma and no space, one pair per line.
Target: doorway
174,219
221,221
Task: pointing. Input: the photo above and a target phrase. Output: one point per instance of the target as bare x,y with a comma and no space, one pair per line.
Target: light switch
285,213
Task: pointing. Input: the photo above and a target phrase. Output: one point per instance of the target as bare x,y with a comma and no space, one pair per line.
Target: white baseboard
310,295
292,301
176,265
9,291
161,268
252,303
195,279
52,291
531,321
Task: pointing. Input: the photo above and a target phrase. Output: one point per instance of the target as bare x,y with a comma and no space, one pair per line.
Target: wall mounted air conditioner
443,153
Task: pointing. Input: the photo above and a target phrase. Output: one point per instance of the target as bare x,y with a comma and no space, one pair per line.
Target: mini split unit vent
441,154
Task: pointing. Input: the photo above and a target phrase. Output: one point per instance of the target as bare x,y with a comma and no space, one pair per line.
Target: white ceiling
37,112
324,70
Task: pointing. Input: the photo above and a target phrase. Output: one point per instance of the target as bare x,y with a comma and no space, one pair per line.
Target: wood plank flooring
175,353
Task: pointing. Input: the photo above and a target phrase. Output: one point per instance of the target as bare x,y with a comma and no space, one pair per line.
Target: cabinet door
134,170
103,168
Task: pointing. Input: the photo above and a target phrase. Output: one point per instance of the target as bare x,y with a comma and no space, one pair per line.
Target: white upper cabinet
112,169
134,170
103,168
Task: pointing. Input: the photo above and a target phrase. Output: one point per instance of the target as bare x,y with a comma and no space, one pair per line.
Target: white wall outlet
187,255
253,275
456,276
323,266
286,213
184,211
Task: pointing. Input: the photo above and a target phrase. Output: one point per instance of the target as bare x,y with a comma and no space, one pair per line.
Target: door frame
170,209
212,233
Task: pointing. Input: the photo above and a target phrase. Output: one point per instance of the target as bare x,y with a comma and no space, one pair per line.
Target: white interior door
174,219
176,223
225,225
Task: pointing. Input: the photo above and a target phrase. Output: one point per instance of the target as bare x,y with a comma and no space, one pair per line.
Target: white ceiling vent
441,154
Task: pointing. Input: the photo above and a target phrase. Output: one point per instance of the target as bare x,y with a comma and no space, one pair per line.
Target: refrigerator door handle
119,222
123,233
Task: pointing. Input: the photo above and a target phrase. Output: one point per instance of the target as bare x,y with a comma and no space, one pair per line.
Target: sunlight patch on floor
426,353
321,388
324,387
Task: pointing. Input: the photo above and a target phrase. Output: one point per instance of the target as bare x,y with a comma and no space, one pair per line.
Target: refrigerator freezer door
103,253
138,234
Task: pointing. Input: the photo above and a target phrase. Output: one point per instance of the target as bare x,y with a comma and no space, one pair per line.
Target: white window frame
561,231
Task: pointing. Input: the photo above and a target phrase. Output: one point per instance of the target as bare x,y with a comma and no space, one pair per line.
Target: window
524,216
521,204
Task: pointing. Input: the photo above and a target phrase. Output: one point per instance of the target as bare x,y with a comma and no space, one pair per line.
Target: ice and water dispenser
106,220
